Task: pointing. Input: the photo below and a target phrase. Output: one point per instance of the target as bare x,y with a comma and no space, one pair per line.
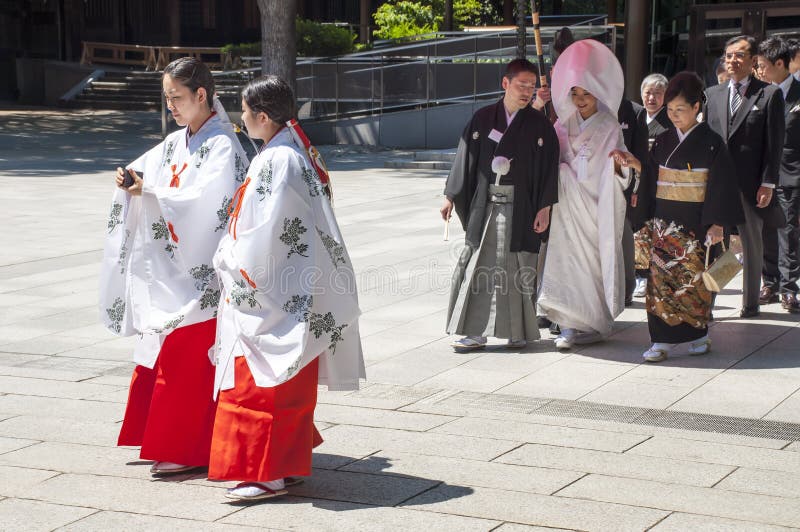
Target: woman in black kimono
691,195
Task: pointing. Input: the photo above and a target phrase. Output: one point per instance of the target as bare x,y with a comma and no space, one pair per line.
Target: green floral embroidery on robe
292,231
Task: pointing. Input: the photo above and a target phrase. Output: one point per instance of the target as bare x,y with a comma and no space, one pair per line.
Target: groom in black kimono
512,129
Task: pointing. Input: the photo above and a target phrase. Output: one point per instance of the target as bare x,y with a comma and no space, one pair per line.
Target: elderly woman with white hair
653,88
583,288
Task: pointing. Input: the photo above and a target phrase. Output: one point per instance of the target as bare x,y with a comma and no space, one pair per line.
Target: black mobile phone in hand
127,181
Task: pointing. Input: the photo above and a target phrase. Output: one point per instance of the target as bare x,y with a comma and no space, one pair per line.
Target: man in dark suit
748,114
634,133
781,261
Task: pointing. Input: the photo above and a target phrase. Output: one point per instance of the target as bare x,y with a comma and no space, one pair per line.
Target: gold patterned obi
682,185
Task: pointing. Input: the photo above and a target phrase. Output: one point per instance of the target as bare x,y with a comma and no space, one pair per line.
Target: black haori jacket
530,142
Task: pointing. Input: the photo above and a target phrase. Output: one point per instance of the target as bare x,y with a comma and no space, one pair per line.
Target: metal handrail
367,94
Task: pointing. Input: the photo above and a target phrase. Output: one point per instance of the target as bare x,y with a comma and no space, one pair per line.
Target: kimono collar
682,136
281,137
190,136
583,124
651,118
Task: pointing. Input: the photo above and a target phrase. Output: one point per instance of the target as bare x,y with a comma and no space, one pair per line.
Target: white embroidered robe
288,287
157,272
584,277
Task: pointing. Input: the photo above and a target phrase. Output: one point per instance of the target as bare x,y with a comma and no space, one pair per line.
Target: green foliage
313,39
404,18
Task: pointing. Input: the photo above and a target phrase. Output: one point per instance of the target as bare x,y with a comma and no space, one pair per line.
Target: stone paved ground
493,440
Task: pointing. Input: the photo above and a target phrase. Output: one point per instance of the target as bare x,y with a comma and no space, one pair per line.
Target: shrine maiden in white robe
157,272
288,287
583,286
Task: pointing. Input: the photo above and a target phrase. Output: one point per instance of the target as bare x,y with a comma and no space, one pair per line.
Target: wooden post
448,15
637,17
174,15
364,22
508,12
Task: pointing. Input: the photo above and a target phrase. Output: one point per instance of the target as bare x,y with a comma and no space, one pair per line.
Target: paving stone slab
51,388
15,481
546,434
566,379
361,441
32,516
371,417
544,480
719,453
678,522
736,394
46,345
46,374
80,458
777,483
516,527
477,380
12,444
296,513
616,464
688,499
379,490
532,509
61,430
388,396
161,498
80,409
129,522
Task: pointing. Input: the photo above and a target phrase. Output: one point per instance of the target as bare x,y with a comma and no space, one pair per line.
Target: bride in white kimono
583,282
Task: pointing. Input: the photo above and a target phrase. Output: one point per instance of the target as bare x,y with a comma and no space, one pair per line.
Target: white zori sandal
257,491
658,352
701,346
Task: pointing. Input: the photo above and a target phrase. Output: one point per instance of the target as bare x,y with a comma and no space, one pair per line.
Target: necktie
736,99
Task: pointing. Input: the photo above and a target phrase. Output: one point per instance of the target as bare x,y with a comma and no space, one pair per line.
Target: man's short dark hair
270,95
752,44
794,47
520,65
773,49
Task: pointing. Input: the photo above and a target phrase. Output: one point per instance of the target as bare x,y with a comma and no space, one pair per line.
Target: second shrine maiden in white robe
288,287
583,283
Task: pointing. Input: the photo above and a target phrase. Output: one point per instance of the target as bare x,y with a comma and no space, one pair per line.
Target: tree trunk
521,29
278,47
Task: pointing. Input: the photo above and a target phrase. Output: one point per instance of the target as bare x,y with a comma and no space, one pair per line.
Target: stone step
124,105
435,155
418,165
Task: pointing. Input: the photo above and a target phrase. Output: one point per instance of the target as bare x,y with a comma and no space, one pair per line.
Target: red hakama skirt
170,411
263,434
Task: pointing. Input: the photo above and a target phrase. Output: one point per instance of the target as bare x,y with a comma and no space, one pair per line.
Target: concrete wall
434,128
43,81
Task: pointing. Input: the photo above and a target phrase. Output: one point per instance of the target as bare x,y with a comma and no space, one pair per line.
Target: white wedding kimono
157,273
584,278
288,287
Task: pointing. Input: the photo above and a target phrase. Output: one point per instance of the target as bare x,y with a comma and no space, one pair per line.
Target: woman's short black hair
686,84
192,74
271,95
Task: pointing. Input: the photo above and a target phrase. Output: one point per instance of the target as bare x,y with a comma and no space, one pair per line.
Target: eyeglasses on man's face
737,55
